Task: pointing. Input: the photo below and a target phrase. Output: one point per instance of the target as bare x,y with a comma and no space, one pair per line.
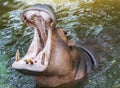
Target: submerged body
51,58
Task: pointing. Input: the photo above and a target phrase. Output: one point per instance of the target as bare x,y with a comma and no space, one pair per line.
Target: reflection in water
98,21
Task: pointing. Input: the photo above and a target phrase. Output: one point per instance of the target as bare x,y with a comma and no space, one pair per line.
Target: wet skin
51,58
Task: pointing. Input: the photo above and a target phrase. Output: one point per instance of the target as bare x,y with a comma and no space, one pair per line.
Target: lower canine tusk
43,59
17,56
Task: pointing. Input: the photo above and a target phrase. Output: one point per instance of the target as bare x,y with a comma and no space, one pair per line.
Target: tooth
32,20
31,62
51,24
17,56
27,61
25,21
43,59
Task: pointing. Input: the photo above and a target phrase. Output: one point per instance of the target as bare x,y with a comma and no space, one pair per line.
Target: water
97,20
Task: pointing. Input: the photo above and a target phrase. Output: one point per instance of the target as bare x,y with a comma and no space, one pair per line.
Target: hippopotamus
51,58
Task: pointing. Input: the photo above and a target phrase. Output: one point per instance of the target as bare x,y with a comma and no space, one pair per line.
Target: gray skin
51,58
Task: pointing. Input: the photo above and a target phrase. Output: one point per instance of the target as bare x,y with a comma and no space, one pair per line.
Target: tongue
35,46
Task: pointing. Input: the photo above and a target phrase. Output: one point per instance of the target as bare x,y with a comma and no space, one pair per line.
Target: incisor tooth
17,56
26,61
31,62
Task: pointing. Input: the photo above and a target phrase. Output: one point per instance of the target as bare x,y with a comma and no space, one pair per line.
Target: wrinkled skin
51,58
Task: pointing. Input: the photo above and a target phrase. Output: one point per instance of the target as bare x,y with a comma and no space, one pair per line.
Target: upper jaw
37,58
43,8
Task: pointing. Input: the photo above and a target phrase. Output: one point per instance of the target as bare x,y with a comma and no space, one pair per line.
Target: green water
97,20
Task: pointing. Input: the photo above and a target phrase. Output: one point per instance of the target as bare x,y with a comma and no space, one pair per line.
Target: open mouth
40,21
37,58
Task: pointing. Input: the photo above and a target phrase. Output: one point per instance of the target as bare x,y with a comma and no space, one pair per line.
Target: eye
65,32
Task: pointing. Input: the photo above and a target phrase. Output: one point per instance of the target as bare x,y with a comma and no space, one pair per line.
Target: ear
71,42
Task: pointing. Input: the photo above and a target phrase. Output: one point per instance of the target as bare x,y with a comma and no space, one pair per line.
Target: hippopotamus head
51,58
45,54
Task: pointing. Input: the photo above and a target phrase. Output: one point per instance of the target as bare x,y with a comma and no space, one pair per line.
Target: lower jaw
24,67
30,72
